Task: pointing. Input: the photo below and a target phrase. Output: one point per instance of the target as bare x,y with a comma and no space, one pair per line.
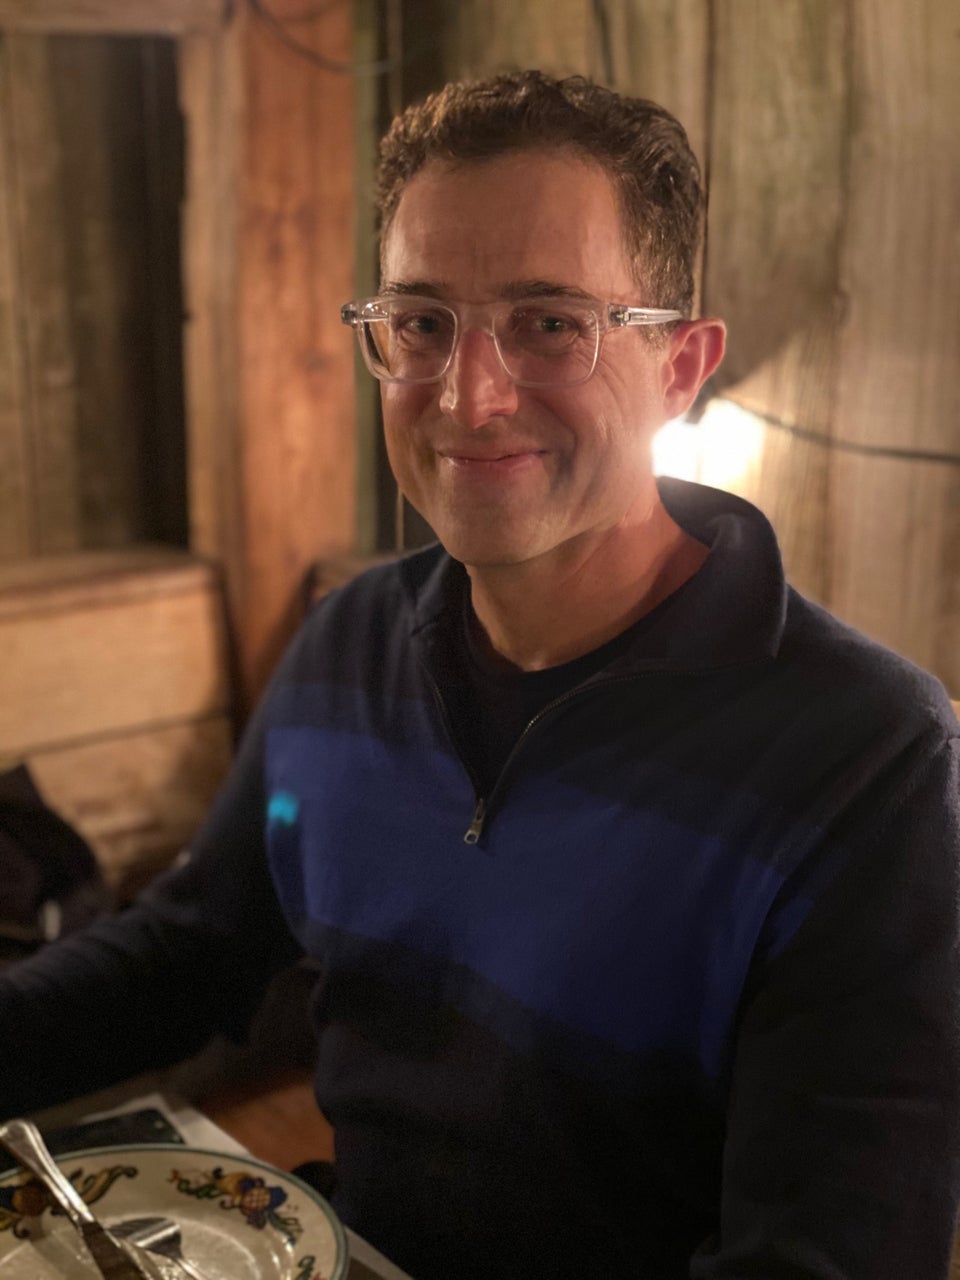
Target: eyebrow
421,288
509,292
544,289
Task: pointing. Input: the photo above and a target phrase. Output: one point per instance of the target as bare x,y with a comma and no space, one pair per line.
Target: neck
548,611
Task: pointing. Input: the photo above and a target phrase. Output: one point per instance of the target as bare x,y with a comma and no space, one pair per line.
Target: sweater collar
730,613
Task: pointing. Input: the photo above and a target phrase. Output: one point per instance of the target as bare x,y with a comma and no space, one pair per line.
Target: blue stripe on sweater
590,868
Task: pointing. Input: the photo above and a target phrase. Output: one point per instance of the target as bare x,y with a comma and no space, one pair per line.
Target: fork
157,1235
22,1139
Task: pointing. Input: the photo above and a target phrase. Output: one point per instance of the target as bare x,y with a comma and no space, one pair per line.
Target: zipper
475,829
482,807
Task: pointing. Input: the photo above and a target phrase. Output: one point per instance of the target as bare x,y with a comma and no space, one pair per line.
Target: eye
546,326
418,326
537,320
418,322
554,324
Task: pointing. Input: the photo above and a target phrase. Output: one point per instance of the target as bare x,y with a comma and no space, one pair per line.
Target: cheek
404,410
400,400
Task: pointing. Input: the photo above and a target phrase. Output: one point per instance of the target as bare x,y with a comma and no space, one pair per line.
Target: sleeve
842,1153
148,986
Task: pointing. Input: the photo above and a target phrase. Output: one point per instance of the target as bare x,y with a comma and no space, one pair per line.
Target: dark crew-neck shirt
491,701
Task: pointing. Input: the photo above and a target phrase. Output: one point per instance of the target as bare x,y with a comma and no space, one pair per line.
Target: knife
22,1139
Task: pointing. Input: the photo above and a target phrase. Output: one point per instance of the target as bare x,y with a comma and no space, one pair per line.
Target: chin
490,539
488,553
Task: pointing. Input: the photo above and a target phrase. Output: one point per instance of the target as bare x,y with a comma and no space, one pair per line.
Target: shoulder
369,618
848,675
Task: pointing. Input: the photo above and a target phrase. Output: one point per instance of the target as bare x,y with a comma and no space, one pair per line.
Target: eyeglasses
540,341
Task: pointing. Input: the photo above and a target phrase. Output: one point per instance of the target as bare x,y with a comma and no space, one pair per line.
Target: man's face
507,474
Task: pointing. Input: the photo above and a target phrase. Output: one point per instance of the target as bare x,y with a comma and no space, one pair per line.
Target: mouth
481,458
486,467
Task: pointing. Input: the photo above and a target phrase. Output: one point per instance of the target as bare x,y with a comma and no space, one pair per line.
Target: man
632,875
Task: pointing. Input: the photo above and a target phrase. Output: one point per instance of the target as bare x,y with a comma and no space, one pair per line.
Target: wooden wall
827,129
174,161
268,259
176,237
91,394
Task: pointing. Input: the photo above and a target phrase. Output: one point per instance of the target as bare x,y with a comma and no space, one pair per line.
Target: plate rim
342,1261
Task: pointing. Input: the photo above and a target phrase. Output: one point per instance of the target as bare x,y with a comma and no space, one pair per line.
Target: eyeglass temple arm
642,315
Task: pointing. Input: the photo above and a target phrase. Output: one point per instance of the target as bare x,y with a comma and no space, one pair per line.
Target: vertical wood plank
896,569
899,382
777,149
163,460
42,206
660,49
84,427
17,537
487,36
269,244
97,113
375,492
896,562
210,99
295,249
777,164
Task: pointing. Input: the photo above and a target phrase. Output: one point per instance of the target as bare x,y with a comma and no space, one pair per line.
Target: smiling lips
490,459
488,468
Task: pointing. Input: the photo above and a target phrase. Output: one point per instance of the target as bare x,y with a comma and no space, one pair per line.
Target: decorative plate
239,1219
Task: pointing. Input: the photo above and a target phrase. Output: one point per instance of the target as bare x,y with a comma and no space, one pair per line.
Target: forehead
475,230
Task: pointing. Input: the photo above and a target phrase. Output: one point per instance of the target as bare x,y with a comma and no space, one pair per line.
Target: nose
476,387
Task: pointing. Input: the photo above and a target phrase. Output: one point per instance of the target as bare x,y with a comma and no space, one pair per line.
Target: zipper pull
475,829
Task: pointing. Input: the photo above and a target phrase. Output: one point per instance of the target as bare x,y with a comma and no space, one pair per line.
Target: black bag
50,883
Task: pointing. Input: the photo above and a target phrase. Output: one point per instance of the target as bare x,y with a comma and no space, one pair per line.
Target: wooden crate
115,689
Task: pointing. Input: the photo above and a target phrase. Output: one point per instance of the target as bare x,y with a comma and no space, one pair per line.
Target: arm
842,1158
150,985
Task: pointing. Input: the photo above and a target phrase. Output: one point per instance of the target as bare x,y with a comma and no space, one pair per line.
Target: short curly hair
642,147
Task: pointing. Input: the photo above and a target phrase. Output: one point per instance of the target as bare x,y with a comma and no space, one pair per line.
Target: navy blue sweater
687,1007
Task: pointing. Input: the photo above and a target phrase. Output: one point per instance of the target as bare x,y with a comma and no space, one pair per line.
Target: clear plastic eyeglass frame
365,313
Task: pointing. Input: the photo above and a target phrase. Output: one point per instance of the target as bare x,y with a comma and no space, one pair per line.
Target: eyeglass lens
540,342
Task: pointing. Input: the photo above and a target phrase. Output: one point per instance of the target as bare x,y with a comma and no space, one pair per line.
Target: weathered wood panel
896,519
111,16
210,98
163,460
295,254
97,105
777,145
50,359
660,49
899,383
128,648
16,473
894,571
137,797
269,258
486,36
91,412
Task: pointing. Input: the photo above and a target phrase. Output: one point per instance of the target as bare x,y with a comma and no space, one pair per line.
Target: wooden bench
115,690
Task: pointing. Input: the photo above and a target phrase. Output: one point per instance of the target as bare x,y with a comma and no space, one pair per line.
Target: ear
696,349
